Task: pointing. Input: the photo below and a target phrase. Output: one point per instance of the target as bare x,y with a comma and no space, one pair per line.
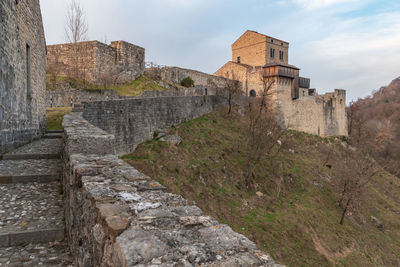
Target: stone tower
22,73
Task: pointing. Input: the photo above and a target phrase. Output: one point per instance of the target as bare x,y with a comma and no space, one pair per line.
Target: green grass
134,88
298,225
54,117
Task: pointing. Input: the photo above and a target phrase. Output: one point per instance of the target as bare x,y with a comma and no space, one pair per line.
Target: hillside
290,208
375,123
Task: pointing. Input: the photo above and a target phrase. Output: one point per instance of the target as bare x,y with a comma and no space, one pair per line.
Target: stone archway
253,93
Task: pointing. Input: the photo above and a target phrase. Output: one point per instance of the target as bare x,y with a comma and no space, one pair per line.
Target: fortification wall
96,62
22,73
176,75
67,98
133,121
117,216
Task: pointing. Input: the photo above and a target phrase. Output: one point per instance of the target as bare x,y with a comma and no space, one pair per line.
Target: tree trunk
345,210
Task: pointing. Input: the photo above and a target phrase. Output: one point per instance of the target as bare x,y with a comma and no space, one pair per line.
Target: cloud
316,4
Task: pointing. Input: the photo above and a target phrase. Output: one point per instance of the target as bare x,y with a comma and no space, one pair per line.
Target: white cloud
317,4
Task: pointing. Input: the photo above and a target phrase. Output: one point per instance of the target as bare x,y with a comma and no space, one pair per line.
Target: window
281,54
28,68
238,59
253,93
272,41
272,53
281,44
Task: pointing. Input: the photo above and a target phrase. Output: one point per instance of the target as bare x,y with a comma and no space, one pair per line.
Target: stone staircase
32,226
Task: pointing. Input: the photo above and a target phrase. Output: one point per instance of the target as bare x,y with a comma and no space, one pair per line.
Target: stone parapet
117,216
134,121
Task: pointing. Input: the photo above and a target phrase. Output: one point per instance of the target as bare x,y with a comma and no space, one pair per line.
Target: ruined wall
134,121
95,62
176,75
117,216
67,98
22,73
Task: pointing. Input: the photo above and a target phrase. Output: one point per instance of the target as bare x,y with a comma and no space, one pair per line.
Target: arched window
253,93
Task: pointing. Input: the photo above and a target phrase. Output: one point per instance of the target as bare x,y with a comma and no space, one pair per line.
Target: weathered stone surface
22,73
39,149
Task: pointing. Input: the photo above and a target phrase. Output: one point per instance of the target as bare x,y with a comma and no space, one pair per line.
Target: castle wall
95,62
22,73
133,121
176,75
67,98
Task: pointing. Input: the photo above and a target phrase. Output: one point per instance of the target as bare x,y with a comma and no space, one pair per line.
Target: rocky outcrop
117,216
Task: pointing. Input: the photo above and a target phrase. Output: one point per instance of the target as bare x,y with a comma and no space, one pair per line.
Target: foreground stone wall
98,63
22,73
117,216
134,121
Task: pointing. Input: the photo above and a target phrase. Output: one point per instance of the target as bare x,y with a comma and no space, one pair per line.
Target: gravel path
30,206
51,254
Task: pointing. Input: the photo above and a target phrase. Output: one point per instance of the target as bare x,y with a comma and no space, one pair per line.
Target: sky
346,44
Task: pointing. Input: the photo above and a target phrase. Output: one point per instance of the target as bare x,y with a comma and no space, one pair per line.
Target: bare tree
359,171
265,135
76,30
229,90
76,27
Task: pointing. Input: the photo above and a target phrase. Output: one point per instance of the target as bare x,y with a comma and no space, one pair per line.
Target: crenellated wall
119,62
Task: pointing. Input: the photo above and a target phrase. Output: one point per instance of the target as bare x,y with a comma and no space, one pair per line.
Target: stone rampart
117,216
67,98
176,75
134,121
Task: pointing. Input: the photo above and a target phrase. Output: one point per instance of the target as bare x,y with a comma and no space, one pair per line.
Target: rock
172,139
140,246
117,224
259,194
378,223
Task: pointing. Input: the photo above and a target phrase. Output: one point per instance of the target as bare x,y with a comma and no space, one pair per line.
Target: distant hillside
375,123
292,206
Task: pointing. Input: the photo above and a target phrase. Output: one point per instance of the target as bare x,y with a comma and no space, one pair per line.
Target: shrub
187,82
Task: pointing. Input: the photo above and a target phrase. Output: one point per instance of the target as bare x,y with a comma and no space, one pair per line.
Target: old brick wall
94,61
134,121
22,88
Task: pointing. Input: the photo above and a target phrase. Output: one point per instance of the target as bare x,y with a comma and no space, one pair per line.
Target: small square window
272,41
281,44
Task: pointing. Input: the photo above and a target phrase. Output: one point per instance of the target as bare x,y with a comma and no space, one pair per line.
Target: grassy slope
300,226
135,88
54,117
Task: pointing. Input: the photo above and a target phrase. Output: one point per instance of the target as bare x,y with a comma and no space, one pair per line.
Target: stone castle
96,62
258,59
22,73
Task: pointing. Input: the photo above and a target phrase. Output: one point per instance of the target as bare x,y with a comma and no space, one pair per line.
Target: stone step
48,254
52,135
54,131
29,170
31,213
31,237
39,149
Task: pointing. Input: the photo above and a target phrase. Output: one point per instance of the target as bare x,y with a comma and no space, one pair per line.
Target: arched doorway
253,93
